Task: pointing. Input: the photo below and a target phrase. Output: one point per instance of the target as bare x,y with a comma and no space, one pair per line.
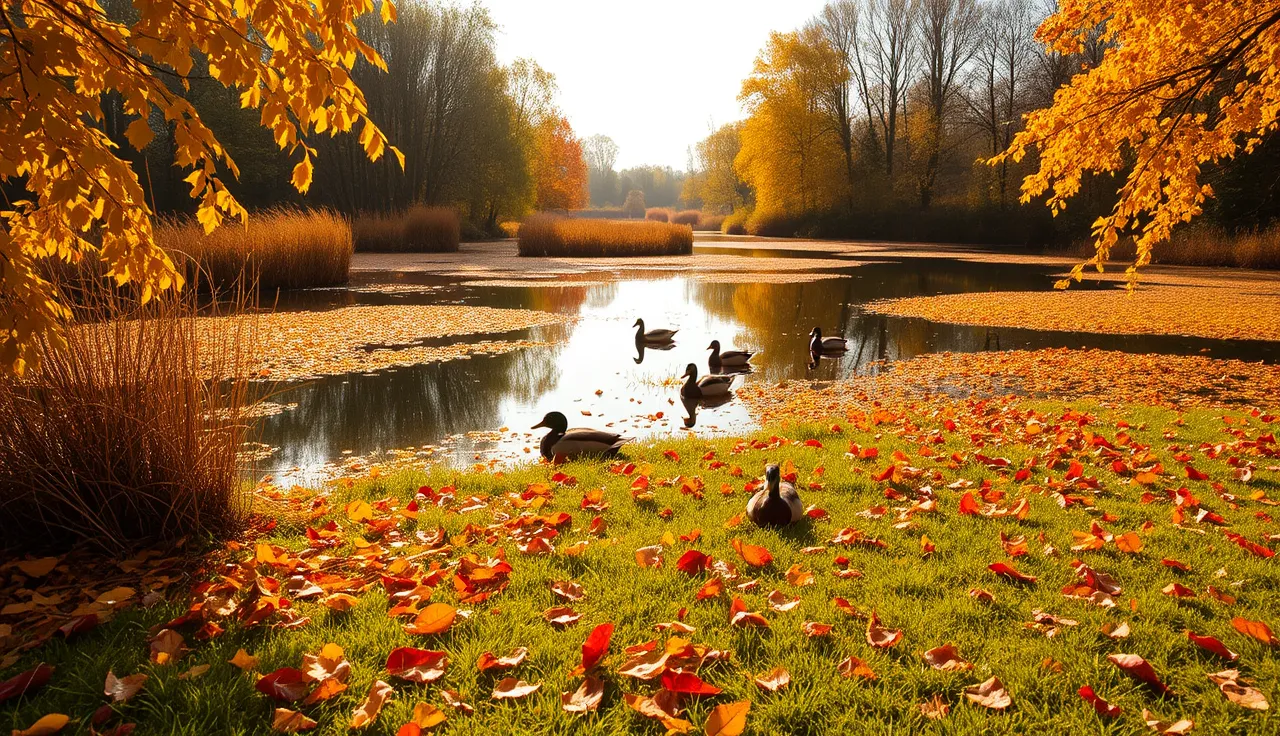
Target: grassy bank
546,235
277,249
930,493
419,230
1205,245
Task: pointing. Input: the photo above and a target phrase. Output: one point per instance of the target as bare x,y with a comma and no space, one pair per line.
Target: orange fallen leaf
729,719
773,680
120,689
45,726
417,665
989,694
367,712
879,636
1228,681
752,554
586,698
1256,629
854,667
291,721
434,619
947,659
509,688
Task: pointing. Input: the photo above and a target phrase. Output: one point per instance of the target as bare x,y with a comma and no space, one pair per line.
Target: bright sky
655,75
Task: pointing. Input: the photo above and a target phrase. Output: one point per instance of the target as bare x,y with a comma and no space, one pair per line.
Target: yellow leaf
139,133
50,724
244,660
302,175
729,719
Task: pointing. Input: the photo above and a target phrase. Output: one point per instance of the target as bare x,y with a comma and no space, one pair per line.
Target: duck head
815,332
715,345
639,323
772,476
691,372
554,421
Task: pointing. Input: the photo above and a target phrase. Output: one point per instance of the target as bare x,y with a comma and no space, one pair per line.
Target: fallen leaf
567,590
1228,681
287,684
434,619
773,680
947,659
678,681
729,719
454,700
1256,629
418,665
244,660
120,689
1102,707
25,682
367,712
1005,570
854,667
38,568
330,664
1138,668
425,715
46,726
509,688
936,708
291,721
752,554
595,647
561,616
1210,644
879,636
167,647
989,694
1163,727
586,698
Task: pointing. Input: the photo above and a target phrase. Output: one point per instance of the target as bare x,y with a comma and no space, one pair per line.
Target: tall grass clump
685,217
658,214
129,432
276,249
709,223
1206,245
421,229
736,223
547,235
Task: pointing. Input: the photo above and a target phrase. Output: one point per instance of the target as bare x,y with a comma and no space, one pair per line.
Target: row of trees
485,138
661,186
885,106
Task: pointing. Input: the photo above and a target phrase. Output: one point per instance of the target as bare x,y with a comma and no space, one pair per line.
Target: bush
420,230
658,214
128,433
1205,245
736,223
710,223
277,249
686,217
547,235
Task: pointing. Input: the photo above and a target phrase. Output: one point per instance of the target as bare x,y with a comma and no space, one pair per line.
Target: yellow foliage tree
789,150
290,59
1183,84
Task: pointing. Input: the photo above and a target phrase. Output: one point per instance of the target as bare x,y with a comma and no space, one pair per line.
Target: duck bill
539,424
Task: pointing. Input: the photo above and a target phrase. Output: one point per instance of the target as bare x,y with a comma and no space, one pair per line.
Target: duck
777,504
709,386
820,344
655,335
731,358
569,444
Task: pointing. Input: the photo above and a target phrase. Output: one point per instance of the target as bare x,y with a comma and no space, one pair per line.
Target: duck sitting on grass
710,386
655,335
569,444
777,504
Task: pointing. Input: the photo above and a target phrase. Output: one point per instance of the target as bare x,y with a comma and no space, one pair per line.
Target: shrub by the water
129,432
735,224
547,235
634,206
658,214
420,230
686,217
277,249
710,223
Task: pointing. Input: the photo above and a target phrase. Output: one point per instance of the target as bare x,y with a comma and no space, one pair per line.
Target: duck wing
788,494
580,440
735,355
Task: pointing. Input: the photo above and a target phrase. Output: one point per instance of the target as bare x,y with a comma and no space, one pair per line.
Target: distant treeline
873,120
484,139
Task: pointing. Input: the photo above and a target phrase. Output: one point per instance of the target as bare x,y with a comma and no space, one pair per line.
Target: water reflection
596,370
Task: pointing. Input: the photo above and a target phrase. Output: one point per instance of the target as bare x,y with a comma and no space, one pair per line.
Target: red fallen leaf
1138,668
813,443
710,589
982,595
1194,474
597,526
1256,629
488,662
1101,706
879,636
854,667
813,512
814,629
78,625
25,682
287,684
1178,590
595,647
1006,570
1219,596
752,554
885,474
1210,644
847,607
678,681
672,455
969,505
947,659
1175,564
417,665
740,616
561,615
693,562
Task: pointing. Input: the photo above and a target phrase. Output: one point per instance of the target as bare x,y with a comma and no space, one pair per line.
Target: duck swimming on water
573,443
654,335
777,504
709,386
729,358
820,344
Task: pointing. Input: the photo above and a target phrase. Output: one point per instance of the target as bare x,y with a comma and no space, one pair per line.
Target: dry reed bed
545,235
129,432
297,345
1221,312
276,249
1207,245
419,230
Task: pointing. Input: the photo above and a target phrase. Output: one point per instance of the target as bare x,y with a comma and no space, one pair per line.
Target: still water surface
594,365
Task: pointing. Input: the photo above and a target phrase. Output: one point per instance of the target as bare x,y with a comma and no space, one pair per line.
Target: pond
464,411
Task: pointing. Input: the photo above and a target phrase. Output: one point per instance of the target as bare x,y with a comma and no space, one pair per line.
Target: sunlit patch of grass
277,249
421,229
924,596
546,235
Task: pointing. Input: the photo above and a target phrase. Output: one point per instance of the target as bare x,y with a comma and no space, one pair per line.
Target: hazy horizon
655,78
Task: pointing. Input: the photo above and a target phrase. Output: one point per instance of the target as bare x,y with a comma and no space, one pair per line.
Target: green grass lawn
926,597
